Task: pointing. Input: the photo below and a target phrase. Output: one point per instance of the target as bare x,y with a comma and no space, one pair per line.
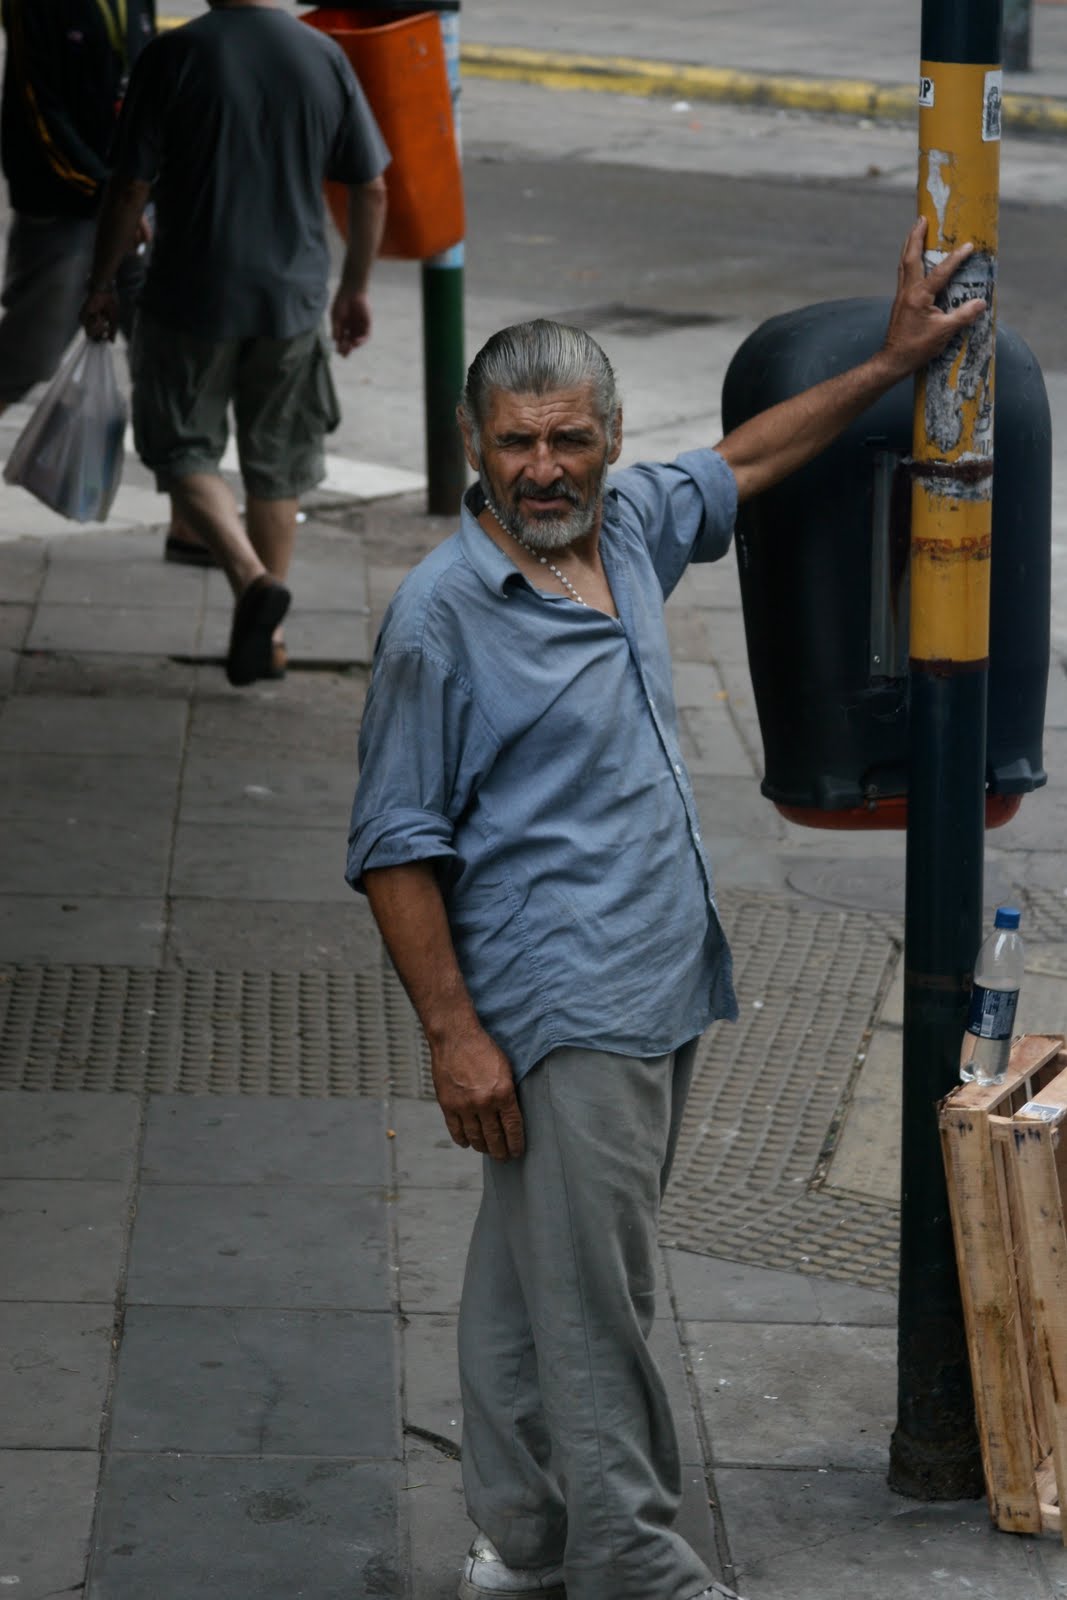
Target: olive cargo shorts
282,393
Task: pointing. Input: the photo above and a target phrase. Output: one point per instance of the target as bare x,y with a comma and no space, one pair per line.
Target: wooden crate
1007,1181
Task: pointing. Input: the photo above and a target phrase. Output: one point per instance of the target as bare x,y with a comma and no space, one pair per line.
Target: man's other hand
100,314
918,328
350,319
475,1089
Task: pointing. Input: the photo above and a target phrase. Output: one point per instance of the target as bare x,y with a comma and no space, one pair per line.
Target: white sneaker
486,1577
718,1591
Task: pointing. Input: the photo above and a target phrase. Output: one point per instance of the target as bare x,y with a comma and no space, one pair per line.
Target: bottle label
992,1014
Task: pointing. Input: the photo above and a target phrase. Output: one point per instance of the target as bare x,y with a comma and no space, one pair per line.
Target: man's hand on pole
918,327
475,1089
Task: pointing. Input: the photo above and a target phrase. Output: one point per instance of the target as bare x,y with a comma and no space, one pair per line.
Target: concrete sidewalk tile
9,666
1041,823
80,930
265,1383
744,865
707,1289
792,1395
45,856
431,1374
231,861
695,1522
711,743
14,625
56,1360
1056,694
67,1134
150,676
46,1517
866,1156
434,1227
425,1155
734,807
70,725
312,716
687,632
276,1529
246,1139
434,1514
114,630
696,684
268,790
836,1535
61,1241
252,1245
56,787
23,563
283,936
341,637
88,578
668,1355
1042,1004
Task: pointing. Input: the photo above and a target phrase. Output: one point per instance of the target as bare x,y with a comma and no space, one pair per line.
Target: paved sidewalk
231,1224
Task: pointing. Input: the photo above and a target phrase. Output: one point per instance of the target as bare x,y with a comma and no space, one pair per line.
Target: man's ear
468,440
616,443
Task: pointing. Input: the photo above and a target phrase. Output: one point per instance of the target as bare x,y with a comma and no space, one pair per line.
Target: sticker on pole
992,106
926,92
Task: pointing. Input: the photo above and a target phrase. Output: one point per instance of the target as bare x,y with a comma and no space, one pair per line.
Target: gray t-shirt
236,119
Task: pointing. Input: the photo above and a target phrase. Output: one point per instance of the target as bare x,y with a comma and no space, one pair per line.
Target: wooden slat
1017,1423
990,1307
1039,1164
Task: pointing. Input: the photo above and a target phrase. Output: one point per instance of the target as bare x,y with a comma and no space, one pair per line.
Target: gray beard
546,535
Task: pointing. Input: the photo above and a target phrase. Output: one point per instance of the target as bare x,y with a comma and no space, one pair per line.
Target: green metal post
934,1453
444,366
1018,32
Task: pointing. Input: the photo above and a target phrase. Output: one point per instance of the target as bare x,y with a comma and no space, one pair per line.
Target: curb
859,97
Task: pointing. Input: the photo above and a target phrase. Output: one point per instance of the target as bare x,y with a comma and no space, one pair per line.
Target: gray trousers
46,273
569,1448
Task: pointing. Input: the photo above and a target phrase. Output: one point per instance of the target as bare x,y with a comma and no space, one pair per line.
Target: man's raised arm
768,447
472,1076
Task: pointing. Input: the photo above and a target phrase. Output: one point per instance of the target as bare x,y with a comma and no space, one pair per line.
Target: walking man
231,124
525,831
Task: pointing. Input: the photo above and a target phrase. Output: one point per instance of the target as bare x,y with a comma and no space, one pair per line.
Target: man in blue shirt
525,831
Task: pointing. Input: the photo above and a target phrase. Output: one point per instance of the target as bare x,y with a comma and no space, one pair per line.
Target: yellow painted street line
856,97
629,75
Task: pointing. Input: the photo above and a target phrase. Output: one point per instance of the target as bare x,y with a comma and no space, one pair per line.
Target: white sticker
1036,1113
926,91
992,105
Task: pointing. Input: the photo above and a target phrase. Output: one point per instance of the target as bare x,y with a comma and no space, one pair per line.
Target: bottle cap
1006,917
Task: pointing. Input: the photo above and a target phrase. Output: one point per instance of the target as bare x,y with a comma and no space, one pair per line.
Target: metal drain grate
285,1033
766,1095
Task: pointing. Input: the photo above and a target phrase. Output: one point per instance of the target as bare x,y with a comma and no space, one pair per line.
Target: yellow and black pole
934,1453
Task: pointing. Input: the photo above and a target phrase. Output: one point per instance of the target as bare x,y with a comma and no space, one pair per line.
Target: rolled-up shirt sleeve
686,509
423,748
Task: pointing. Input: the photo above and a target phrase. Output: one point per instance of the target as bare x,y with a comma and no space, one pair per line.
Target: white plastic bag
69,454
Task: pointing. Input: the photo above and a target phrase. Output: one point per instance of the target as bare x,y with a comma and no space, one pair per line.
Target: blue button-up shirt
530,746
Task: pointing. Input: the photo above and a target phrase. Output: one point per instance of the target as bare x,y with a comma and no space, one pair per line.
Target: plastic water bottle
998,974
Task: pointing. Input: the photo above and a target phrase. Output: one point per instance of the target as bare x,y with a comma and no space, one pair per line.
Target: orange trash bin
400,63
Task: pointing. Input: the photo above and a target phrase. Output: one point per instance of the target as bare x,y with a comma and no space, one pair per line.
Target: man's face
543,462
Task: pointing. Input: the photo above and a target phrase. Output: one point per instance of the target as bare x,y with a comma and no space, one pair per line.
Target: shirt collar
496,570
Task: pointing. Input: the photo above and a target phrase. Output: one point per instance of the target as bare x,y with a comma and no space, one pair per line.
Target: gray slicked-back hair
538,358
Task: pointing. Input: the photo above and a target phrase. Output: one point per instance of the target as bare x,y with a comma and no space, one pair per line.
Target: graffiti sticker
962,375
926,91
992,106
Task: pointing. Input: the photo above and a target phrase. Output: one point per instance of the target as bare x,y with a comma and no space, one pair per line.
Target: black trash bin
823,561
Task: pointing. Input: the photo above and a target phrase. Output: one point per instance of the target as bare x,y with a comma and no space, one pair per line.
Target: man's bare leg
206,503
272,533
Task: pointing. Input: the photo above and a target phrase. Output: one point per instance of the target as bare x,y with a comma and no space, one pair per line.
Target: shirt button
677,769
696,835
